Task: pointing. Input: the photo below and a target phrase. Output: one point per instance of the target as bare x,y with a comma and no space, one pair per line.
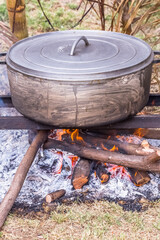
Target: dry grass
99,220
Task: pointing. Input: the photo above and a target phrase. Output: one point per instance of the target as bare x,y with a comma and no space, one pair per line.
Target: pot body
80,104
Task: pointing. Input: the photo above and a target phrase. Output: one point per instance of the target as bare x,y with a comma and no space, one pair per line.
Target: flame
140,132
103,147
75,136
58,133
113,149
108,137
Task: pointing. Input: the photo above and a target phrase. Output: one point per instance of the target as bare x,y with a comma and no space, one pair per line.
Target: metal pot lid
79,55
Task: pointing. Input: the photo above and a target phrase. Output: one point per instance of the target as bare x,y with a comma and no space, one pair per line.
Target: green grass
72,6
1,234
87,221
3,13
60,18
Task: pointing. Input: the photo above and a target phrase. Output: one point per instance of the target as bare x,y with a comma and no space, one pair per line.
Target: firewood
102,172
81,173
151,133
55,195
20,175
129,148
138,177
147,163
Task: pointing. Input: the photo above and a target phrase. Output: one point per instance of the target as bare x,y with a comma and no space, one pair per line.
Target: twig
104,4
46,16
83,17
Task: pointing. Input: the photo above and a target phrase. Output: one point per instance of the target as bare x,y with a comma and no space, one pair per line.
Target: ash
43,178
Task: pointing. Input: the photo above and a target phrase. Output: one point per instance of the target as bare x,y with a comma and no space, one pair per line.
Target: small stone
121,202
143,200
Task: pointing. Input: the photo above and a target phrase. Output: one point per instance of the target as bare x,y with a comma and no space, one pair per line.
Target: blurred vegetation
56,13
3,13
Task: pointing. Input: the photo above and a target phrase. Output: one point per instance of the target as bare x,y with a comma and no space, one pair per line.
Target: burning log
142,149
20,175
81,173
102,172
146,163
139,178
55,195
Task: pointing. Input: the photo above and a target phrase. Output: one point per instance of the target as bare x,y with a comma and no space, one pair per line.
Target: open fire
54,170
105,170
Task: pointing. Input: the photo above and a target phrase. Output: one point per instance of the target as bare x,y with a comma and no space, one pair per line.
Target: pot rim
14,56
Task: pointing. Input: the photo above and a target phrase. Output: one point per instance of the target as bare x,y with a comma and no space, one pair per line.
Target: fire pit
59,175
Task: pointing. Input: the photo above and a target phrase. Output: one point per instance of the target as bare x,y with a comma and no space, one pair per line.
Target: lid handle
76,42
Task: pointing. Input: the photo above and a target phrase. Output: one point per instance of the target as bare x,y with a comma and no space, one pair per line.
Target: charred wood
142,149
55,195
102,172
81,173
138,177
147,163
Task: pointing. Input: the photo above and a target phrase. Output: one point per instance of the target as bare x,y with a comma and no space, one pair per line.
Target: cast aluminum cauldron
75,79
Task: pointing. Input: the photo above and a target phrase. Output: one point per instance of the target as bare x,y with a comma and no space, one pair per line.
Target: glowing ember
116,169
129,139
57,134
153,102
74,159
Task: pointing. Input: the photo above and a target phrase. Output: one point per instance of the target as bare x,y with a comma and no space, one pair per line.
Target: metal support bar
141,121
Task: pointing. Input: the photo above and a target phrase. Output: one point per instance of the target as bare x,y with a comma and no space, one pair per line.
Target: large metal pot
79,78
